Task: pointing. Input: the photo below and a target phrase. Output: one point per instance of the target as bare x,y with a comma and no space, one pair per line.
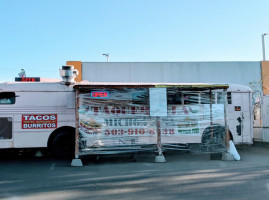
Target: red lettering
115,111
99,94
123,110
171,131
114,132
28,79
174,108
151,132
145,110
95,110
130,131
107,132
133,110
106,110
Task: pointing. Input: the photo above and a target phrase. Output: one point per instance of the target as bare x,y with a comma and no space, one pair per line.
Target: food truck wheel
215,142
218,134
63,143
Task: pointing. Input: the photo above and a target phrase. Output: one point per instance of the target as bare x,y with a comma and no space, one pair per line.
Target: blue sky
40,36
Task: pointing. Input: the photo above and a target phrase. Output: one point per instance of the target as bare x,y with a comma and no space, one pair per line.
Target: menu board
158,102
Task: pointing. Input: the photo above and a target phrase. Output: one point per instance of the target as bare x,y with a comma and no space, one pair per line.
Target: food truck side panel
37,114
40,107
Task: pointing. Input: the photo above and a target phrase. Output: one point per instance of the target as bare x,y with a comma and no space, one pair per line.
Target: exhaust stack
68,74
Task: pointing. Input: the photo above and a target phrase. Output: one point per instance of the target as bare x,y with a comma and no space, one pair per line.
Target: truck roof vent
68,74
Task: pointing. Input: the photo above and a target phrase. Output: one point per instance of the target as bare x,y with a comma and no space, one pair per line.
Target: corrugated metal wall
217,72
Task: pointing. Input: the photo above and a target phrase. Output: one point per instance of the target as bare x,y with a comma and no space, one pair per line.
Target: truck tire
216,143
218,134
212,144
63,144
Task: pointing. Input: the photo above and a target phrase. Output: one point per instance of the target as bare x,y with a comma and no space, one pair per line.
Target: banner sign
42,121
109,121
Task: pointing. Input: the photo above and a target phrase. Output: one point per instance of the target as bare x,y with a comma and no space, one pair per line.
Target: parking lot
183,176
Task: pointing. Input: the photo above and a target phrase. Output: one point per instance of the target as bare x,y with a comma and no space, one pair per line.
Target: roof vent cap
68,74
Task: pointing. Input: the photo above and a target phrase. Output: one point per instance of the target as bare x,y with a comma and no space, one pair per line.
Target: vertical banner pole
159,140
77,126
76,162
227,135
211,113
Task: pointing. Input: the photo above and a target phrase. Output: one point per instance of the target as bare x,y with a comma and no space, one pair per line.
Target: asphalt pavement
183,176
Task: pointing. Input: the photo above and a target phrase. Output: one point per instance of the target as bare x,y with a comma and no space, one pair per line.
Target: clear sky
40,36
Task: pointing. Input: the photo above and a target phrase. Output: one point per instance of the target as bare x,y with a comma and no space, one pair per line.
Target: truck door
6,128
239,117
6,118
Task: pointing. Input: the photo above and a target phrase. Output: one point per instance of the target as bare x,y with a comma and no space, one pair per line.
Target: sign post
158,107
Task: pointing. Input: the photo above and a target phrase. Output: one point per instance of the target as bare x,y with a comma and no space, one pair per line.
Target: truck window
229,97
174,96
205,98
191,98
220,98
140,96
7,98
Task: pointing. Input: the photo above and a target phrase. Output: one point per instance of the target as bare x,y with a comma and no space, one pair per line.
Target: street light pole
263,46
107,56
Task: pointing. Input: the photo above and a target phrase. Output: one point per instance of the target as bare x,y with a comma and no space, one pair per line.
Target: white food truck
42,114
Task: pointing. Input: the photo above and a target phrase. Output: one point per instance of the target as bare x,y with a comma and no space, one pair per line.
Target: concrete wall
217,72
